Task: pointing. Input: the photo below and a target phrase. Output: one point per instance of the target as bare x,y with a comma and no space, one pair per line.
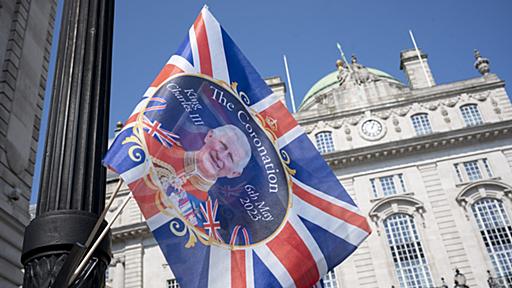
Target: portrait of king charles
187,176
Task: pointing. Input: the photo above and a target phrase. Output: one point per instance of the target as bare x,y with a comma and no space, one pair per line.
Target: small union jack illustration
154,129
156,104
210,214
234,235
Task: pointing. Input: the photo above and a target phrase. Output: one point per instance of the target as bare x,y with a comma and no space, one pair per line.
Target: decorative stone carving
354,120
482,96
451,102
481,63
336,124
402,111
383,114
432,106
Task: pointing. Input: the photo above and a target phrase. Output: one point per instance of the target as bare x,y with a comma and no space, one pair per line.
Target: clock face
372,129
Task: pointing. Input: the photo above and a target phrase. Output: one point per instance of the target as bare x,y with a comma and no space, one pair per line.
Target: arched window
496,231
421,124
324,142
408,255
471,115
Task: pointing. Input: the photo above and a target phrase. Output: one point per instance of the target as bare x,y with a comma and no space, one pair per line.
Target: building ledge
440,140
130,231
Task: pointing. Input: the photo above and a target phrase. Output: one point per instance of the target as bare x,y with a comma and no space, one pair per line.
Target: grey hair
241,140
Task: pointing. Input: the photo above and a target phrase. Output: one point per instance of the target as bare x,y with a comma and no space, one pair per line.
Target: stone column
119,274
72,191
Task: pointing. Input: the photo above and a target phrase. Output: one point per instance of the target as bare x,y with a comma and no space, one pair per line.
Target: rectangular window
374,188
402,182
172,283
388,185
457,170
472,170
330,280
487,167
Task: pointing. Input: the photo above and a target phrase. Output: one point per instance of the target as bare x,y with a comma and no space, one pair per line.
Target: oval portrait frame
161,197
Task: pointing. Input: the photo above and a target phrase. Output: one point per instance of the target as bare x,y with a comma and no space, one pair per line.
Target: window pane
407,251
471,115
172,283
421,124
496,232
324,142
388,185
457,170
472,170
487,167
330,280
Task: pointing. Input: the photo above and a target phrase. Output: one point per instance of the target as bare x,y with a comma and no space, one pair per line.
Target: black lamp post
460,279
72,191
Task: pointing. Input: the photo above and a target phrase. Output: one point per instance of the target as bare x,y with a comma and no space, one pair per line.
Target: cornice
130,231
425,143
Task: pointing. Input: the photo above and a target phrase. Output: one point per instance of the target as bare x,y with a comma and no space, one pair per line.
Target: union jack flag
211,225
154,128
323,226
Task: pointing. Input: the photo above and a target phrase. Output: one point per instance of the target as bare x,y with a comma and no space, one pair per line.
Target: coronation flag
232,188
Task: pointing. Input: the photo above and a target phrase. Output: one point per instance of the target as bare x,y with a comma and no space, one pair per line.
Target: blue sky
148,32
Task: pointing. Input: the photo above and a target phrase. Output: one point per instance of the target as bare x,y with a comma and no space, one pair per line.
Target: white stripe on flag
310,242
328,197
219,272
193,47
141,105
352,234
182,63
216,44
135,173
150,91
157,220
289,136
274,265
249,269
265,102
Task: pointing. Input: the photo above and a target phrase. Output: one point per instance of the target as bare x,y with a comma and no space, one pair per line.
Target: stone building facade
26,29
430,164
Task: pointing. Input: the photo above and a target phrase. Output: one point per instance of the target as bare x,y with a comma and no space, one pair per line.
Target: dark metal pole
72,191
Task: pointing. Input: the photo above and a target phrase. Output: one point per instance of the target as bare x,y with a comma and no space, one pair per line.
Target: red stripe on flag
166,72
202,46
238,273
332,209
278,112
295,256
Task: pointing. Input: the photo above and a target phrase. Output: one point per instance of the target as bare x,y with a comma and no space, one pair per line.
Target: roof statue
481,63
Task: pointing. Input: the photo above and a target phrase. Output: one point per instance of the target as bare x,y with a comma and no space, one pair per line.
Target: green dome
331,80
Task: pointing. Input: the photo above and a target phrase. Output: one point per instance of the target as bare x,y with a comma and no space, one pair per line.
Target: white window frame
471,115
380,185
421,123
491,216
324,142
407,251
329,280
172,283
464,170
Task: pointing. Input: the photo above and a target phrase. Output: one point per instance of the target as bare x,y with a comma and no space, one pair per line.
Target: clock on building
372,129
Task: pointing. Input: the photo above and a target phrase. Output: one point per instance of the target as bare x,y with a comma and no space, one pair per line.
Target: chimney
411,64
277,86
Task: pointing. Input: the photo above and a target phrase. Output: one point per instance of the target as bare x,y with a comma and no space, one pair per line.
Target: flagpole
292,98
419,57
343,56
84,262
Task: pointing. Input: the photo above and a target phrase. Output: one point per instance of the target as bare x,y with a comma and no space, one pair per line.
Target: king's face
219,155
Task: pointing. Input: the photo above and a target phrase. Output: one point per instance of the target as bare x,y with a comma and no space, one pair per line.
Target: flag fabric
232,188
